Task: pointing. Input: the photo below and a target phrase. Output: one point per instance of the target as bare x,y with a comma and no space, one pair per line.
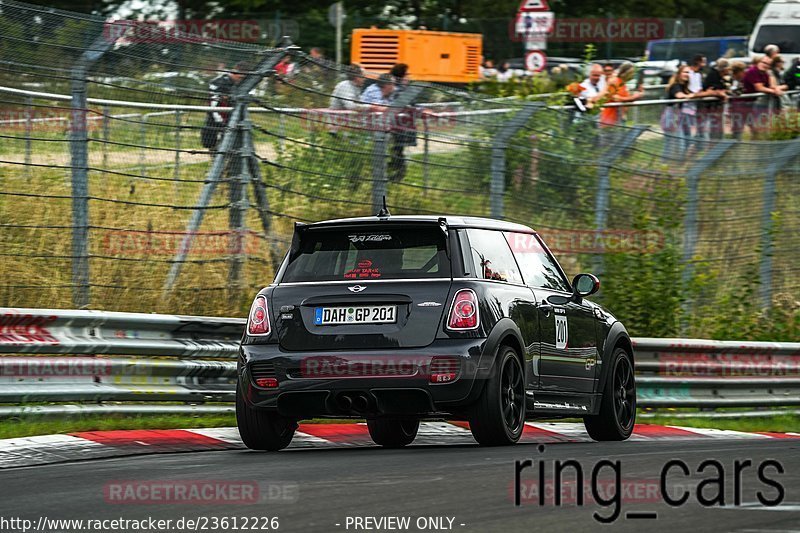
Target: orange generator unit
436,56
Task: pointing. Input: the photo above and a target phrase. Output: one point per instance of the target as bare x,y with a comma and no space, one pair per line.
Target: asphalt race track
317,489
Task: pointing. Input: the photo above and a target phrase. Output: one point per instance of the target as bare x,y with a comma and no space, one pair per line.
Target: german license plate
369,314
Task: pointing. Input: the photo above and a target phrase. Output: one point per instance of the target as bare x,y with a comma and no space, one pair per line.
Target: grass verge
29,426
779,423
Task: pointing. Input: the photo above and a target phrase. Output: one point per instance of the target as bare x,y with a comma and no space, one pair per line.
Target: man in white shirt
347,97
593,88
697,120
347,94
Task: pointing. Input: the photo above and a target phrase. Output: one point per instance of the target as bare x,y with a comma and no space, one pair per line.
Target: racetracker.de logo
182,31
137,243
198,492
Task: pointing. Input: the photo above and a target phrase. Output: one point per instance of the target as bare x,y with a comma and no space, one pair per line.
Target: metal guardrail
173,358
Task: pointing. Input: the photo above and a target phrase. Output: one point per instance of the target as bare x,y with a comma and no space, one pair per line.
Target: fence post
783,158
379,180
28,132
690,216
79,153
239,176
500,140
425,154
106,132
226,146
389,120
143,141
604,186
178,128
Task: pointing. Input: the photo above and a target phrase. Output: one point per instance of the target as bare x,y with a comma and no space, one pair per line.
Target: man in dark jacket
792,77
716,84
405,132
221,95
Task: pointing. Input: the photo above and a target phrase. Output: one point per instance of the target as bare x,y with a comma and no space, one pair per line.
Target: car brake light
464,312
267,383
444,369
258,321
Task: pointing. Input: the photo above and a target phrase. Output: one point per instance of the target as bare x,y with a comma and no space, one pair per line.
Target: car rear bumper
365,383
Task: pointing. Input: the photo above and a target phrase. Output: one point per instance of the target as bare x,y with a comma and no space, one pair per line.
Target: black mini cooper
395,319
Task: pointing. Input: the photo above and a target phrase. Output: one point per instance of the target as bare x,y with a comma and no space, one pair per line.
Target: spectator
318,70
285,67
608,73
792,76
593,91
715,84
777,80
404,131
757,81
487,69
771,50
617,92
504,72
347,95
221,95
692,110
674,123
379,94
738,109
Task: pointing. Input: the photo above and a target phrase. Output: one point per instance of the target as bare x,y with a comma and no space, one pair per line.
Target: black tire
261,429
391,432
618,407
498,417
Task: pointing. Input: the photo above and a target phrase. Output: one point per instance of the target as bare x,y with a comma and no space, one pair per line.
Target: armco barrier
172,358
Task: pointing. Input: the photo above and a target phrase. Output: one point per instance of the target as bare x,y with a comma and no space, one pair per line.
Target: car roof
452,221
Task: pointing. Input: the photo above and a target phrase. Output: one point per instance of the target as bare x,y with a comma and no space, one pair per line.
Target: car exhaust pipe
361,402
345,402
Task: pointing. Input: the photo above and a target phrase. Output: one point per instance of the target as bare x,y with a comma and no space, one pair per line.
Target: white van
779,23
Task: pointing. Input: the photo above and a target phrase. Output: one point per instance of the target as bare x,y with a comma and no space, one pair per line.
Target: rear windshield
369,254
786,37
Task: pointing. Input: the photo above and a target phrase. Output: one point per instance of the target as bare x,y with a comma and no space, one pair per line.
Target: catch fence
109,200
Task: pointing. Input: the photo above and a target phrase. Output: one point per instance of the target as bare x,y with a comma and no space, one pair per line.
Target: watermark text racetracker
199,492
708,482
13,524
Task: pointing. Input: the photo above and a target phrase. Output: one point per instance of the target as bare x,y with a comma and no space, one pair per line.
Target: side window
492,257
538,267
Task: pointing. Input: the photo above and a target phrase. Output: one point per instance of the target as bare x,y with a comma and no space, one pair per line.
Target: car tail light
444,369
267,383
258,321
464,312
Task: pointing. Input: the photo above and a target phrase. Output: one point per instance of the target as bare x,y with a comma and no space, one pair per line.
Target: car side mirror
584,285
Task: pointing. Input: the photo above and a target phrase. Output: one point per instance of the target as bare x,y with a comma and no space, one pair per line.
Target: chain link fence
109,200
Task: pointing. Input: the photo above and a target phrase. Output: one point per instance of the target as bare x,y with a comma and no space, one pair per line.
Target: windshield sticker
364,270
363,237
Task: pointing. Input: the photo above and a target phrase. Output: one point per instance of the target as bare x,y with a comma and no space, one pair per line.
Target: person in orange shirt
617,91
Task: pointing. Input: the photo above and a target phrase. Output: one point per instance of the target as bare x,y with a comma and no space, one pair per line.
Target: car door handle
545,308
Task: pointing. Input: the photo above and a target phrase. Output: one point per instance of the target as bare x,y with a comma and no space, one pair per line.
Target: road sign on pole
336,17
528,6
535,60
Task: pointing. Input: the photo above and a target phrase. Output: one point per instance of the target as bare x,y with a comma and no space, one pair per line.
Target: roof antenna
384,212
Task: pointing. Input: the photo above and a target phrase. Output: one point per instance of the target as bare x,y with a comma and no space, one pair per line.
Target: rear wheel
618,406
498,417
260,429
391,432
